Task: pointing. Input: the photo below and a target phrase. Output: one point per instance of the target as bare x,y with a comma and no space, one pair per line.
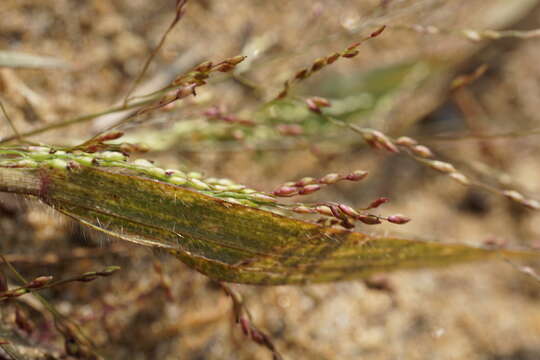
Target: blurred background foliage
64,58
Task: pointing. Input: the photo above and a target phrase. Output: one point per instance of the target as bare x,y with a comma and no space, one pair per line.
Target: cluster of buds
520,199
309,185
185,84
76,159
415,148
322,62
242,317
201,72
219,113
378,140
425,155
346,216
45,282
171,97
100,143
35,284
315,103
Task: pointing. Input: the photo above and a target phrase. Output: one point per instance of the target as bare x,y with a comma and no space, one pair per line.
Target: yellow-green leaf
224,240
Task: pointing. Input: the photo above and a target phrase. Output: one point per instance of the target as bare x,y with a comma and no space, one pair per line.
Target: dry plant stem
58,257
10,122
471,34
77,120
178,15
242,316
45,282
181,87
73,334
218,236
148,102
494,136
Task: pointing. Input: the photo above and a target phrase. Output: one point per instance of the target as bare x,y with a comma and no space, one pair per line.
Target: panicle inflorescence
346,216
186,84
73,160
322,62
309,185
421,153
76,159
334,213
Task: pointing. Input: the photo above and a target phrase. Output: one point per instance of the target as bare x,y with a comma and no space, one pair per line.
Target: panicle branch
421,153
46,282
242,317
322,62
474,35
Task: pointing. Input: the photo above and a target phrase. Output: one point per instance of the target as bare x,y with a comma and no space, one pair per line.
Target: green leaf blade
232,242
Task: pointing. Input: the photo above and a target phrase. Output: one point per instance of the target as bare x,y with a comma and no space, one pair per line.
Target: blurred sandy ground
479,311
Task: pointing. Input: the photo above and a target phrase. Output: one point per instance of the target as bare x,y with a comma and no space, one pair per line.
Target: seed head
398,219
350,53
303,210
308,189
422,151
111,135
320,101
285,191
204,67
143,162
195,175
324,210
199,185
39,282
442,166
406,141
369,219
514,195
177,180
382,141
225,67
112,156
347,210
305,181
236,60
378,202
332,58
302,74
460,178
156,172
318,64
331,178
356,175
532,204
